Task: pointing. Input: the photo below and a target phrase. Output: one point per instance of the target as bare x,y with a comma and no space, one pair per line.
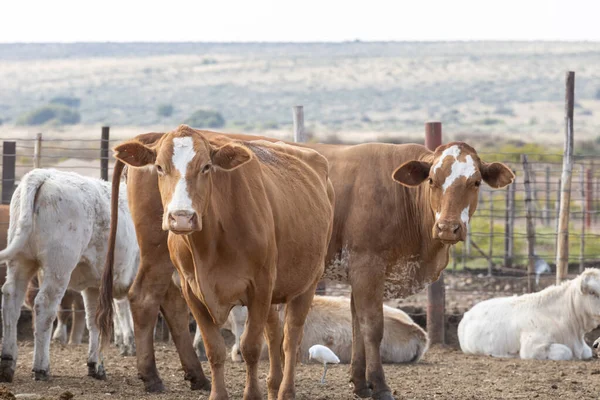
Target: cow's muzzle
449,232
184,222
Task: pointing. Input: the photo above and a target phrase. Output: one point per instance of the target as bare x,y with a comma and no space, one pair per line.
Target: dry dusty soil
444,373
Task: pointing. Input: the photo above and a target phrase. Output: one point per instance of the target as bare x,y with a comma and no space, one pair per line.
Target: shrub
501,110
491,121
164,110
205,119
51,113
66,101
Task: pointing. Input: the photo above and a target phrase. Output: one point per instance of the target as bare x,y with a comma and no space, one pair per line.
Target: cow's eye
206,168
159,169
430,181
477,183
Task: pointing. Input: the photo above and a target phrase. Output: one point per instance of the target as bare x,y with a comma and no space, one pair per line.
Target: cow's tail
104,312
21,219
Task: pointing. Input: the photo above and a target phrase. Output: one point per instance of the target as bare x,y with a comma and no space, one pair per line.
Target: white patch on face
183,153
464,215
459,169
437,216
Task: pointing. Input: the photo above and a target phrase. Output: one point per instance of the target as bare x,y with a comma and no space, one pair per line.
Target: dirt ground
444,373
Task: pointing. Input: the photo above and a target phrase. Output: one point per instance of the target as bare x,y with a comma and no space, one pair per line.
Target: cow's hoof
41,375
384,395
96,371
363,393
7,370
200,384
155,387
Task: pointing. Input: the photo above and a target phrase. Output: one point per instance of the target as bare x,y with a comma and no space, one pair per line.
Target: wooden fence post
491,247
530,222
37,152
547,212
9,156
104,153
584,215
589,197
299,132
509,224
436,292
562,253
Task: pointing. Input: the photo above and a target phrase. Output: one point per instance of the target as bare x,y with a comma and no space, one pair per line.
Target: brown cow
249,224
397,237
392,240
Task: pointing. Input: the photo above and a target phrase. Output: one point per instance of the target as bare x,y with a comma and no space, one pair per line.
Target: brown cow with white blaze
390,240
249,224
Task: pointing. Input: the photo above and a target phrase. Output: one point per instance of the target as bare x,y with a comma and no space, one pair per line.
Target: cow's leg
123,313
295,316
251,343
358,363
95,366
52,289
275,342
539,347
117,329
213,342
62,317
199,345
78,322
237,317
367,293
18,275
176,313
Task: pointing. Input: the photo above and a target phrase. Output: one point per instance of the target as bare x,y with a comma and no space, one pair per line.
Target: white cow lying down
59,224
550,324
329,322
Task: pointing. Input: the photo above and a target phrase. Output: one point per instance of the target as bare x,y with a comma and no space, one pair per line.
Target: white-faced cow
249,225
391,240
547,325
59,228
329,323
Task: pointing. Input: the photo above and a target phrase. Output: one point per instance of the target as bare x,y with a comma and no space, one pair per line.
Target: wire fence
495,253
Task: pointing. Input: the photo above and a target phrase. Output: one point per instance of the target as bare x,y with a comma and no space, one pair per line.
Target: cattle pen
511,248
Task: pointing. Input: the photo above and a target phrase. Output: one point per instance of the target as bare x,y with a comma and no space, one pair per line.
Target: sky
299,21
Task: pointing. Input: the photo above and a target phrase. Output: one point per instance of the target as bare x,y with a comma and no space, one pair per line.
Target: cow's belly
403,278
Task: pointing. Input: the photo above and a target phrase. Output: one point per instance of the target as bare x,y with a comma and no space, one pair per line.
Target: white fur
459,168
329,323
183,153
59,224
464,215
550,324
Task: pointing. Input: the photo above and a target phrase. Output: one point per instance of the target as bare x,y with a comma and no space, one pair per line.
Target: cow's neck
434,253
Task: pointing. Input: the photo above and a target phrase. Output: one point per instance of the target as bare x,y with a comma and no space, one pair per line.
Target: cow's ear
135,154
230,157
412,173
496,174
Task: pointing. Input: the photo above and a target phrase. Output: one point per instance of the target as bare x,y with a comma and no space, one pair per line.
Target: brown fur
381,239
262,236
